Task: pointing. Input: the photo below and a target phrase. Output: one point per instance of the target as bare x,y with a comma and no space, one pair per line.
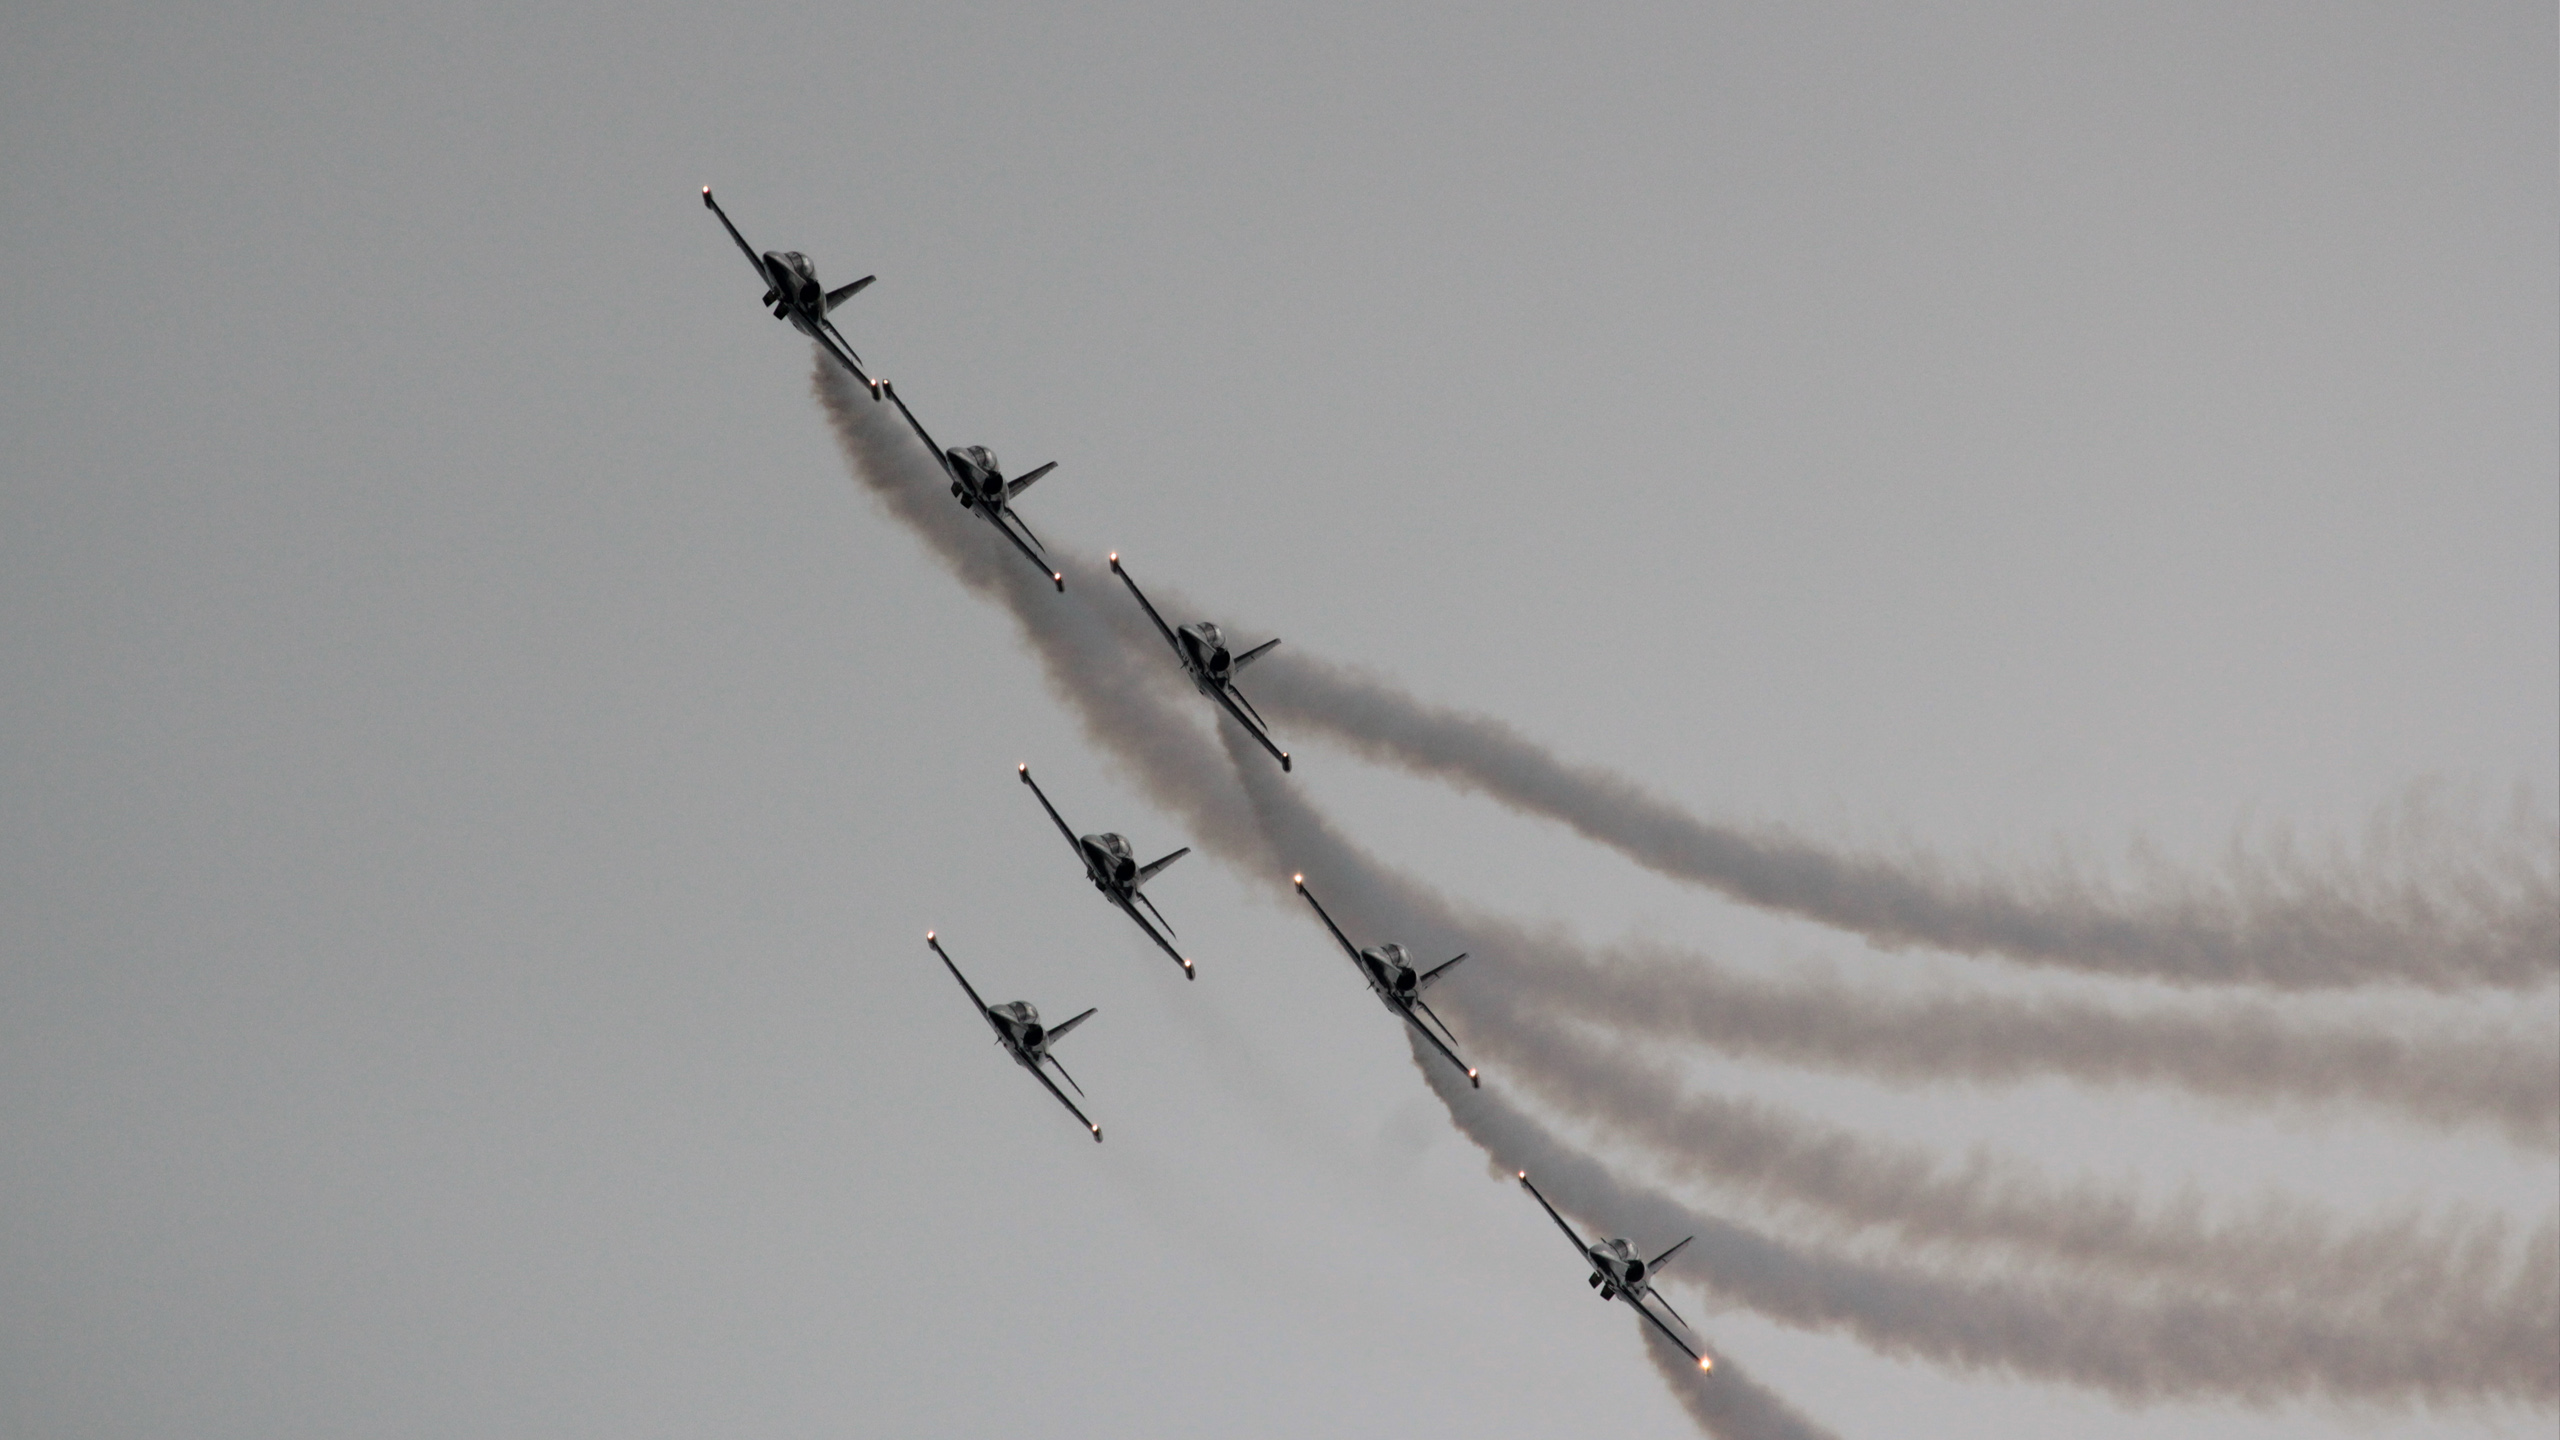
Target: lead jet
1019,1031
1114,870
1618,1273
1203,652
1393,980
978,483
792,292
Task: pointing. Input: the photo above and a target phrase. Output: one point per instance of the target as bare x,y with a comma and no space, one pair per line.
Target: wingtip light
1707,1363
1022,769
928,937
1523,1174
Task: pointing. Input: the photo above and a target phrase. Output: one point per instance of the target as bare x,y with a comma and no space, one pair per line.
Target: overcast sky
475,770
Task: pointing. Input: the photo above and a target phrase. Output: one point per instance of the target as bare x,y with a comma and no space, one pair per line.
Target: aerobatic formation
2300,1304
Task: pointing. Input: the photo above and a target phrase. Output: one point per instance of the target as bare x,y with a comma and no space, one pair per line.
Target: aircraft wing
1054,817
1344,940
965,985
1161,628
1239,708
833,339
1131,911
1667,1332
1436,1042
918,426
997,520
762,277
1581,1247
1043,1078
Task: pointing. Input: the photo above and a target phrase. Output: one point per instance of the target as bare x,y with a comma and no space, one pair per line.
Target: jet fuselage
1110,862
1025,1036
977,478
1390,973
1616,1270
1204,649
797,295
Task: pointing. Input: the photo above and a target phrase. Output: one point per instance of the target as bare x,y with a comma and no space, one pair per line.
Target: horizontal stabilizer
1059,1032
1150,872
1020,483
1655,1264
1433,974
842,293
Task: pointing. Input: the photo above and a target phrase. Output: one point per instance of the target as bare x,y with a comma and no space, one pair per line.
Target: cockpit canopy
797,263
978,458
1208,646
1022,1011
1115,846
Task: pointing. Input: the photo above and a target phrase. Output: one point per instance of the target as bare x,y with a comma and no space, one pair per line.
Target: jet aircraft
1203,652
1618,1273
1114,870
1019,1031
792,292
978,483
1393,980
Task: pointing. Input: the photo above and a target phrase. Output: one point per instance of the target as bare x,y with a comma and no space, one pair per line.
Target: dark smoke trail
2265,921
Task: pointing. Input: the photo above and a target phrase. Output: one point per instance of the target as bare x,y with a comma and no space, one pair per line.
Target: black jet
1203,652
1618,1273
1394,981
1019,1031
1114,870
978,483
792,292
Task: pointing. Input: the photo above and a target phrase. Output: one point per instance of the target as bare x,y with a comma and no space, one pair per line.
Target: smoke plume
2422,910
2491,1340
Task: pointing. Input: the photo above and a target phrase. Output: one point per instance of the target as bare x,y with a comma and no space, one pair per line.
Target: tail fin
1256,653
1059,1032
842,293
1151,871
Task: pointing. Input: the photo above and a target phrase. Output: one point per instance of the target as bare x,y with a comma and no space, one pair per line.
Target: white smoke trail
1728,1404
2147,1349
2493,1339
2233,1048
1849,1184
1103,659
2139,1348
2422,911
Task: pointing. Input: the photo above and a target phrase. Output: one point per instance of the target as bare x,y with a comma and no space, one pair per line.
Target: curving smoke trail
1850,1185
2140,1348
2490,1338
2432,921
2160,1344
1729,1404
2233,1048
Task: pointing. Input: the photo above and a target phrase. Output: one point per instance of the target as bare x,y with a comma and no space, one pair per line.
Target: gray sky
475,771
